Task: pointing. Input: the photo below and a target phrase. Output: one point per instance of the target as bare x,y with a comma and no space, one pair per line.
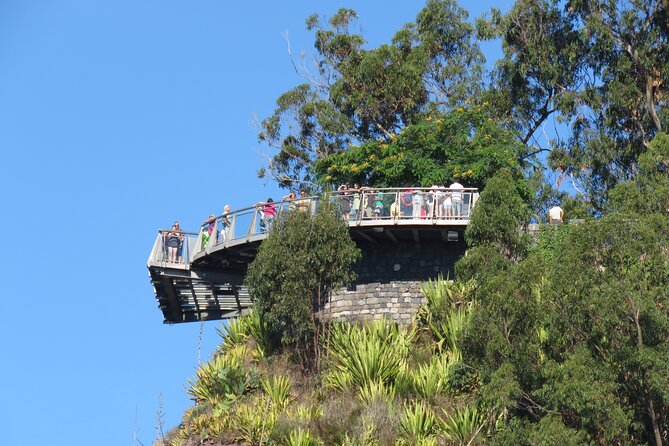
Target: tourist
209,229
378,205
406,202
174,243
290,198
304,202
267,211
555,215
355,208
417,203
344,201
456,197
225,222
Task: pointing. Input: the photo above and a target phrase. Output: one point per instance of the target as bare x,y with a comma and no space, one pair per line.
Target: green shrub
417,422
462,425
277,389
363,357
223,378
301,437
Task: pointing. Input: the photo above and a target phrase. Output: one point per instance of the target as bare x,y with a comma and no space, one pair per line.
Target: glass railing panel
243,221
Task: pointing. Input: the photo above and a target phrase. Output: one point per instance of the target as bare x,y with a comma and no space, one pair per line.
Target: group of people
357,202
437,201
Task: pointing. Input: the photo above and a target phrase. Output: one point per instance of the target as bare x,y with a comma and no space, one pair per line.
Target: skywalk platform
205,281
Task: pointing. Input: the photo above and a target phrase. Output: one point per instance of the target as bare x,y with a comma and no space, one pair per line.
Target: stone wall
397,300
389,277
407,261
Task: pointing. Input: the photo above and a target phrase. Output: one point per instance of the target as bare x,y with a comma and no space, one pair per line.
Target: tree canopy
302,259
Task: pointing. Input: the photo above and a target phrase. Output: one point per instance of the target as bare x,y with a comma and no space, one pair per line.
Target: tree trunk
647,391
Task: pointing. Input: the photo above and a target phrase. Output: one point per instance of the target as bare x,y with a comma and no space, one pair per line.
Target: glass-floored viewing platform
199,275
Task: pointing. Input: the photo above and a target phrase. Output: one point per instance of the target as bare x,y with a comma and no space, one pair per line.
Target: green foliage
431,380
417,422
463,425
277,389
302,259
365,94
300,437
369,359
467,143
233,334
224,378
255,421
648,192
551,239
499,216
236,332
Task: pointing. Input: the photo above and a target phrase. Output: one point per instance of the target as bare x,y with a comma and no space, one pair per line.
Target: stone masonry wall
397,300
388,280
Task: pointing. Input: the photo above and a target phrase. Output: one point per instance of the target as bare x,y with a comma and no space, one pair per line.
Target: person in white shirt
555,215
456,197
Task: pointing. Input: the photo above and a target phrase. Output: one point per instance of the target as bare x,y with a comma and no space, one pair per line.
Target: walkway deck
206,281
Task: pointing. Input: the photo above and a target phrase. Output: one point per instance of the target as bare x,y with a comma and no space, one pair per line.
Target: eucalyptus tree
600,68
355,94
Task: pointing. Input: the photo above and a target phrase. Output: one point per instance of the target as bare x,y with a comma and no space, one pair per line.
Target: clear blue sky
117,117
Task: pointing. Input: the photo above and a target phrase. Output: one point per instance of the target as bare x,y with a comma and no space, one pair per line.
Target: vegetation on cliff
562,341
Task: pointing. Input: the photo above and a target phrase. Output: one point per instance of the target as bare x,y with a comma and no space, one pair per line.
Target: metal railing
415,204
173,247
366,206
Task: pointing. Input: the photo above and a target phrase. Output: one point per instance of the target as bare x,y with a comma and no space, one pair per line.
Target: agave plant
256,327
365,356
443,293
277,389
233,334
376,391
430,380
255,420
303,413
417,422
302,437
221,378
447,330
462,426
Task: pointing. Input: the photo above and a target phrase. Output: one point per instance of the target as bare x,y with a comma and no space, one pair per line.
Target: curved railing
363,207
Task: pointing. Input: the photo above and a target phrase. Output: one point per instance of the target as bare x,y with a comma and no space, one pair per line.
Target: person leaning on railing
355,207
174,243
267,211
344,201
211,228
303,203
225,223
290,198
456,197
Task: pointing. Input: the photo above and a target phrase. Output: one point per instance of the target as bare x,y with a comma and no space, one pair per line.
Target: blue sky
117,117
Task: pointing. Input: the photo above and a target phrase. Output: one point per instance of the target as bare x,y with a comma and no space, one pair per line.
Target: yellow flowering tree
466,144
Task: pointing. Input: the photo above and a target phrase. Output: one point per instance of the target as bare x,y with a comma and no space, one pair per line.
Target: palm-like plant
233,334
376,391
462,426
221,378
255,420
256,327
365,356
417,422
302,437
277,389
430,380
447,330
